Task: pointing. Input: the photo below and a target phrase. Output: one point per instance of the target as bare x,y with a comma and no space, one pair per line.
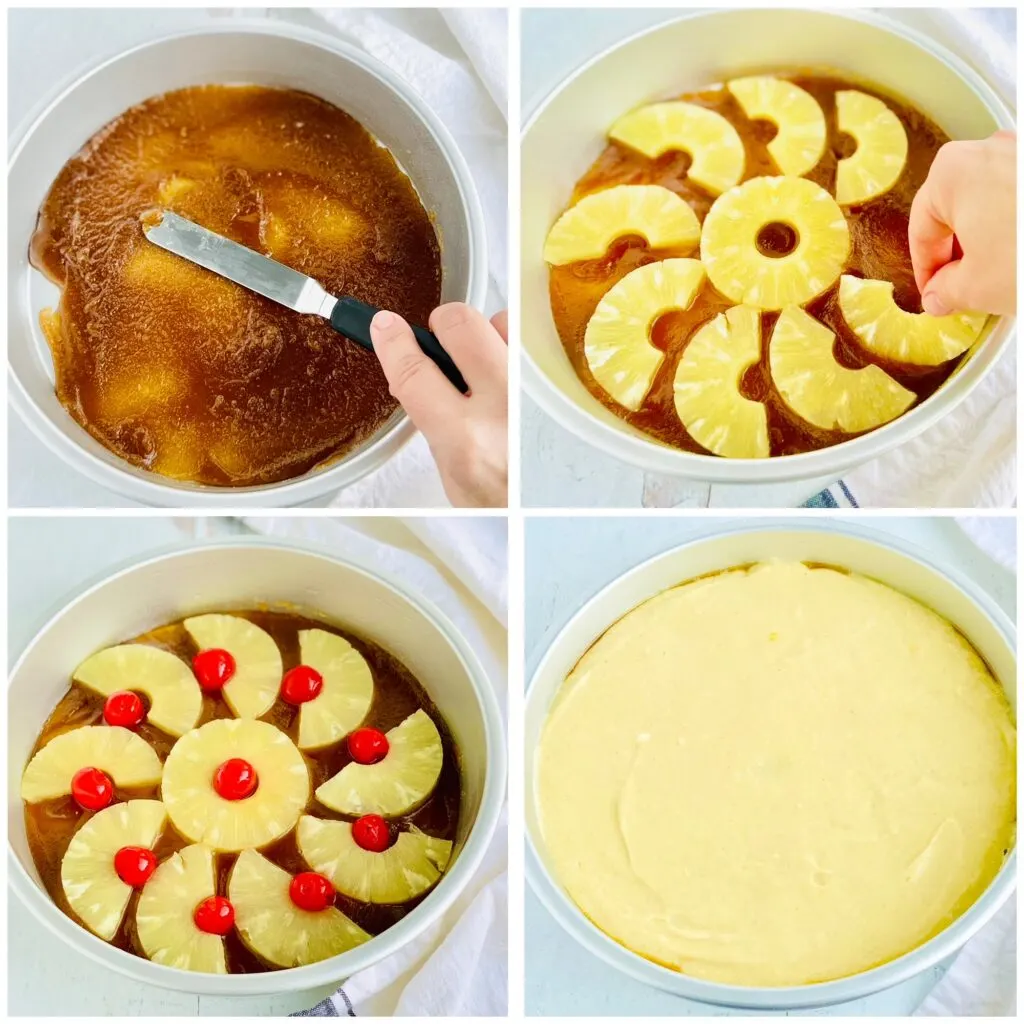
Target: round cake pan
245,574
235,52
902,567
689,53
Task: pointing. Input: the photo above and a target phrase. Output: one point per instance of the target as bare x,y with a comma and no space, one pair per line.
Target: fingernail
382,320
933,305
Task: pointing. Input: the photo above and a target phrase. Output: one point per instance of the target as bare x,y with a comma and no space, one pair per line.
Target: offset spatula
274,280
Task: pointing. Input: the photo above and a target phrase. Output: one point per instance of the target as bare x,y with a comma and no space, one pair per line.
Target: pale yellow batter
777,776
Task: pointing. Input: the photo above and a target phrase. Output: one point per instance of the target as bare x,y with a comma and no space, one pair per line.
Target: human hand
467,434
970,193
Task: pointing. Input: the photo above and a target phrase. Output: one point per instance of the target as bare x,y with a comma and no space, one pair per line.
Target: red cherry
311,891
213,668
92,789
134,865
214,915
371,832
300,684
368,746
235,779
124,708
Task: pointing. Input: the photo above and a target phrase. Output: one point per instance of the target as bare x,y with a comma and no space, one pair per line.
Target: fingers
949,290
477,347
500,323
930,233
414,380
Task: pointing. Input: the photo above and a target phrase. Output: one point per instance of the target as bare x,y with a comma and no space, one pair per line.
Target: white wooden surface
567,561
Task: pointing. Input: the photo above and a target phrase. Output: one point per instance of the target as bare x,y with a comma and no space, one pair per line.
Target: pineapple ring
881,152
711,141
886,330
347,690
800,141
252,690
707,386
277,930
93,888
401,781
586,230
400,873
176,701
200,814
728,245
163,918
821,391
127,758
617,343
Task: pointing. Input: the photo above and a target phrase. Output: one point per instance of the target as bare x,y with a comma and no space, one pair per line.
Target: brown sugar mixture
189,375
878,249
51,824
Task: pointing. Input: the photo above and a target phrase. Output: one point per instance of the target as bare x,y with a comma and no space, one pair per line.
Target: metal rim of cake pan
644,452
66,439
334,970
930,953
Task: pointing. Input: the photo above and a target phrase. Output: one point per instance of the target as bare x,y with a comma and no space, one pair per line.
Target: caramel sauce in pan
878,249
51,824
184,373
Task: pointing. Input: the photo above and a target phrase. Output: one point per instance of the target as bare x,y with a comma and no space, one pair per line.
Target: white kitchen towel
995,535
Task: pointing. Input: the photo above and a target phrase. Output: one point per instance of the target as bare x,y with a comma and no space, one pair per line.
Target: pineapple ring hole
845,146
763,130
777,239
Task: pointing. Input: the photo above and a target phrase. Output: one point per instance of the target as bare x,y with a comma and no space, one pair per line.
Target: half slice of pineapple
175,698
886,330
199,811
800,140
401,781
617,343
729,242
714,146
127,758
252,690
881,152
400,873
346,694
821,391
707,386
164,917
586,230
91,884
277,930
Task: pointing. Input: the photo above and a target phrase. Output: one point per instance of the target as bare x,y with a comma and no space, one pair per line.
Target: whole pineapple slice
890,332
585,230
617,343
127,758
252,690
821,391
728,245
881,152
707,395
800,140
401,781
93,888
347,690
175,699
202,815
714,146
164,916
400,873
277,930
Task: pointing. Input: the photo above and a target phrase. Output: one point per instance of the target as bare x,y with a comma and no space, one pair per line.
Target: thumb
949,290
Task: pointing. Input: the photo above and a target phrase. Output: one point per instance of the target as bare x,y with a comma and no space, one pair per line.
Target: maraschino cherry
301,684
214,915
134,865
310,891
92,789
124,708
213,668
371,832
235,779
368,746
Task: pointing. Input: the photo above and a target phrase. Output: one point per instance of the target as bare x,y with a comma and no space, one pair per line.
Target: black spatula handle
352,318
